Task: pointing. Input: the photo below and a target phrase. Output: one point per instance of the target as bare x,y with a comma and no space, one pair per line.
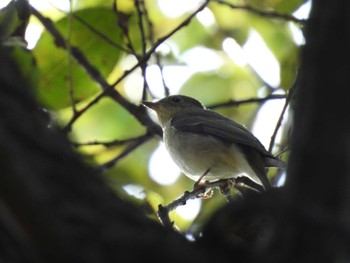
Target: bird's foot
226,187
202,188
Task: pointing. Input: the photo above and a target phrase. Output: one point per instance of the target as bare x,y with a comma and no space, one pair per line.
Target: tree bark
318,182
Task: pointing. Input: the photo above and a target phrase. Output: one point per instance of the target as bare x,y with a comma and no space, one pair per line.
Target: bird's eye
176,99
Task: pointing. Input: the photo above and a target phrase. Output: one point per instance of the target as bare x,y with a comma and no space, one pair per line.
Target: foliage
94,65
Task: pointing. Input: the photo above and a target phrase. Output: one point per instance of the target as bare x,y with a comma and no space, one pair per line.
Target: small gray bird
209,146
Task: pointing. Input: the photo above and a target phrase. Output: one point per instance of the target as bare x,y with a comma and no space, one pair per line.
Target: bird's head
170,106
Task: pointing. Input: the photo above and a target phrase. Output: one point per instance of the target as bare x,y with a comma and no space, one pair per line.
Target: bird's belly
197,154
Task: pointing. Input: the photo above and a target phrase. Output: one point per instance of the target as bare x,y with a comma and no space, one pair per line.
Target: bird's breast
197,153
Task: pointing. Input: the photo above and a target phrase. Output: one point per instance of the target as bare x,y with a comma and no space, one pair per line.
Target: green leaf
105,121
231,23
285,6
56,73
190,35
212,89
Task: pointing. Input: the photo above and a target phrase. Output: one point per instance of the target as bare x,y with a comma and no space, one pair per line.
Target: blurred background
231,51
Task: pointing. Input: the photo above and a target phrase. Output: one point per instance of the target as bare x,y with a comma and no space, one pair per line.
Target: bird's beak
151,105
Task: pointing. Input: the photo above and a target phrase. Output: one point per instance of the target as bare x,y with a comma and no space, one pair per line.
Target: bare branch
98,33
110,143
263,13
280,119
151,39
139,8
163,211
132,146
236,103
69,58
94,73
162,40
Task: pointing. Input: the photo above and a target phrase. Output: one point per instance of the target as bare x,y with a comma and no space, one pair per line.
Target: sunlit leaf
190,35
286,6
57,73
105,121
212,89
231,22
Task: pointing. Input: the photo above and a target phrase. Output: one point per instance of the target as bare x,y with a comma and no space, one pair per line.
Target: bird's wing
211,123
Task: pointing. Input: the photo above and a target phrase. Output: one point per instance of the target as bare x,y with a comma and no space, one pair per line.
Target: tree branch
110,143
131,147
251,100
280,119
108,90
269,14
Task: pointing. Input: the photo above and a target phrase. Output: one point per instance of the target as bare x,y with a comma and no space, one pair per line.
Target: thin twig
280,119
92,29
98,33
166,37
163,211
69,58
131,147
236,103
110,143
95,74
263,13
98,78
151,39
145,58
122,23
140,8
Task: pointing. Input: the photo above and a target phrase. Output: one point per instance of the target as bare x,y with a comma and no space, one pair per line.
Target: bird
208,146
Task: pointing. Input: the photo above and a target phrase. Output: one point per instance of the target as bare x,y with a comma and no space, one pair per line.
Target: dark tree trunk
318,183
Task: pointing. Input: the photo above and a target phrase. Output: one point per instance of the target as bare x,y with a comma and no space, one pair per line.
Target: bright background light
261,59
302,13
162,168
200,59
174,9
190,210
4,3
235,51
135,190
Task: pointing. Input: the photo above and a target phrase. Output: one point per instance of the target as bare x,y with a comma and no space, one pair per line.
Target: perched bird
209,146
